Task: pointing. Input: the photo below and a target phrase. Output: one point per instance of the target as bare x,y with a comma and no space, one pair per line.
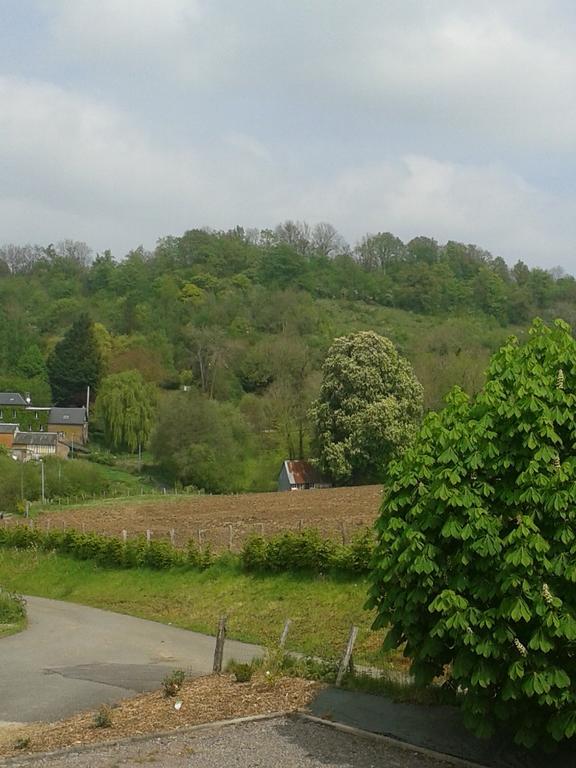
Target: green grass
12,614
12,628
322,609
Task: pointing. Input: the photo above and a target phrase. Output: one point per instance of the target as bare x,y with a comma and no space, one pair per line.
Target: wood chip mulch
203,700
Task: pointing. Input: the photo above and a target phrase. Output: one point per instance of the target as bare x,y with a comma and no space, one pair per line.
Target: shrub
12,607
361,551
242,672
173,682
103,718
23,742
475,565
306,551
255,554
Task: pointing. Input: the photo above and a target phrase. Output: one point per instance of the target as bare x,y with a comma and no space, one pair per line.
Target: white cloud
72,167
171,38
501,70
416,195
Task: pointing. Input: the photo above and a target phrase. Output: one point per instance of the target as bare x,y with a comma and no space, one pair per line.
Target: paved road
286,743
73,658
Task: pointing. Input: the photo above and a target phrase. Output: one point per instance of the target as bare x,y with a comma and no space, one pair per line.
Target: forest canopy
246,318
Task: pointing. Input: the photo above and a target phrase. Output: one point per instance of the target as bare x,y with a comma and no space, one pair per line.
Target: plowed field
225,521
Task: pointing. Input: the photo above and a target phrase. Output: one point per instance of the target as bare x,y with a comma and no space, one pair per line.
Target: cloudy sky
122,121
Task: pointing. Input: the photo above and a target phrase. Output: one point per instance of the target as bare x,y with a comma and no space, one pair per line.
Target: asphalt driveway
73,658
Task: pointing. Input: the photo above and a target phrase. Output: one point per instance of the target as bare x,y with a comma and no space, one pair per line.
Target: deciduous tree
126,407
475,566
370,402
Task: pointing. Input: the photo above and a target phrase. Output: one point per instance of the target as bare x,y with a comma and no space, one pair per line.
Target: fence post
230,537
300,525
347,655
284,634
172,537
124,535
262,530
200,537
148,536
343,529
219,649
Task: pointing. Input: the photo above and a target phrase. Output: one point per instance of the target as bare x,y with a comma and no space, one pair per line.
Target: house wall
283,482
76,432
62,451
27,452
33,419
12,414
6,440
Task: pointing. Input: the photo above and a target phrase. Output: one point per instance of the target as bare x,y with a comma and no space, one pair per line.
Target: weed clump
173,682
242,672
103,718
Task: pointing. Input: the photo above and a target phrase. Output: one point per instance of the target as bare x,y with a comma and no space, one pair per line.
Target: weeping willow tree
126,408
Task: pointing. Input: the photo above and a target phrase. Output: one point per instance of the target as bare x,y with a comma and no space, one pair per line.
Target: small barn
28,446
300,475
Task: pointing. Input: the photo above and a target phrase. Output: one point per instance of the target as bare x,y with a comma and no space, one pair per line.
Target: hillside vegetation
244,320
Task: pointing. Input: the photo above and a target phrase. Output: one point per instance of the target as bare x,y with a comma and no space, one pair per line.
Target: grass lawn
322,609
12,628
12,614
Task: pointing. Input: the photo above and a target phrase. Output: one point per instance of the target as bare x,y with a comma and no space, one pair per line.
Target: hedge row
303,551
107,550
307,551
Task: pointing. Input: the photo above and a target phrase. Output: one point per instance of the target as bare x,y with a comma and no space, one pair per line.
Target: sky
123,121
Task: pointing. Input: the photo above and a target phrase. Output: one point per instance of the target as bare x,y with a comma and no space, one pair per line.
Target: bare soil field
225,521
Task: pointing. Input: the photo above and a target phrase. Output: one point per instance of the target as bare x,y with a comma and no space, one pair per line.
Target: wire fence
220,537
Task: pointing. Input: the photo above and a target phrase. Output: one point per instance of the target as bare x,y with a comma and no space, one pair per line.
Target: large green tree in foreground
126,408
75,364
475,570
369,405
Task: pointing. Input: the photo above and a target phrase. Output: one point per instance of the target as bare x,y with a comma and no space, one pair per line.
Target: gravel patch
278,743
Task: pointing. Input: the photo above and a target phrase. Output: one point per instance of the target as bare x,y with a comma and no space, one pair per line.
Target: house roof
12,398
8,429
64,416
302,472
35,438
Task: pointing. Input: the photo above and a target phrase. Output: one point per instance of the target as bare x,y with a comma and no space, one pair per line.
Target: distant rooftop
35,438
12,398
8,429
64,416
302,472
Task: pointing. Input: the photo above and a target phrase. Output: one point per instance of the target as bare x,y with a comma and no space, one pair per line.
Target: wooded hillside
244,319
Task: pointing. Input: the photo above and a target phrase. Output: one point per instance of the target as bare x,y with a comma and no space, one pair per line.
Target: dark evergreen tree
75,364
